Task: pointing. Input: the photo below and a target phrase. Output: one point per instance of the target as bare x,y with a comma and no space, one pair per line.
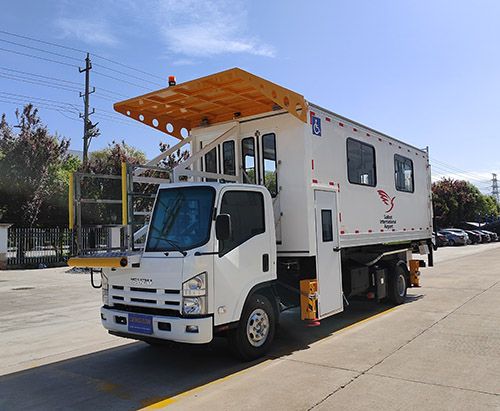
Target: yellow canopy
210,100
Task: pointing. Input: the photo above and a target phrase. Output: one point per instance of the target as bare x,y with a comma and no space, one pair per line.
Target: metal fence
33,246
30,247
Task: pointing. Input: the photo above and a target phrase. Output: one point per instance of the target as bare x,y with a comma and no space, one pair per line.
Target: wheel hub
258,327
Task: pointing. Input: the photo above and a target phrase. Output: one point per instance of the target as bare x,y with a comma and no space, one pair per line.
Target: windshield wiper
176,246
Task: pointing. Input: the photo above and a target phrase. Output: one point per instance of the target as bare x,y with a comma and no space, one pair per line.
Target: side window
246,209
211,162
248,154
403,173
269,163
229,158
361,163
326,224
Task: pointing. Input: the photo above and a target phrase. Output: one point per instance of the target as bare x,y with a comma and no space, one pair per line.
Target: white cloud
89,32
201,28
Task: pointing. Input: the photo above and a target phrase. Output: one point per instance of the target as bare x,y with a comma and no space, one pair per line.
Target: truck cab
210,252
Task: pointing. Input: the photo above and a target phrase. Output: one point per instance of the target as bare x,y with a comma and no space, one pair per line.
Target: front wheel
397,285
255,333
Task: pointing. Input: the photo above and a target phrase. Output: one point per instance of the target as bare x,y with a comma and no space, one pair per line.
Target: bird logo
386,199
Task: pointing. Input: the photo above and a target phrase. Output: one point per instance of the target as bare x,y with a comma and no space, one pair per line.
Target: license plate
140,323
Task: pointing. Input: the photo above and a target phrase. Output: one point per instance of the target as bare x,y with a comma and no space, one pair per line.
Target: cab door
328,254
247,258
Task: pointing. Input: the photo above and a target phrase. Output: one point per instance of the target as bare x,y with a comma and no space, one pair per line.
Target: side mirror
223,229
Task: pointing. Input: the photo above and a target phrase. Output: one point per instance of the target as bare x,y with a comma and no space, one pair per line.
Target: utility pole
494,187
87,125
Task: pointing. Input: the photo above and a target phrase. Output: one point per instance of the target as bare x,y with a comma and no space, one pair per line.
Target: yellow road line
178,397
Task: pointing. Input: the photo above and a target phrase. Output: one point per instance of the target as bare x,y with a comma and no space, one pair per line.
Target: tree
456,202
33,171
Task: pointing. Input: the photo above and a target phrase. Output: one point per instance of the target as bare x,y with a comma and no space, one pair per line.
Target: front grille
144,297
146,310
143,290
142,300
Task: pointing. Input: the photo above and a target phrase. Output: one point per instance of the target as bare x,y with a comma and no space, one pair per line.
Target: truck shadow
136,375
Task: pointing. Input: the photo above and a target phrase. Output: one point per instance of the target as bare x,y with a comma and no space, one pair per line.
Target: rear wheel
397,285
255,333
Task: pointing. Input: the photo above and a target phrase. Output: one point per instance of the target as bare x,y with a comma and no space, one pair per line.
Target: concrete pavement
438,351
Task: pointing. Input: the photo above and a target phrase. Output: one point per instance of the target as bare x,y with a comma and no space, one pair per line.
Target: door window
269,163
326,225
229,160
246,209
248,156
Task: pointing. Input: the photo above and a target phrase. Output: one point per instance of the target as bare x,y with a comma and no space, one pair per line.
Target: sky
425,72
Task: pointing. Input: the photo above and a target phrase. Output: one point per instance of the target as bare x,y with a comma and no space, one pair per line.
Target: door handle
336,249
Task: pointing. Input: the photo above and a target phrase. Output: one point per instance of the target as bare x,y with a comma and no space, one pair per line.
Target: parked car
493,236
485,237
456,236
474,238
441,239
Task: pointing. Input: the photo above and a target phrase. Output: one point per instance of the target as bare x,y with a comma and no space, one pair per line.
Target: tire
255,333
451,242
397,285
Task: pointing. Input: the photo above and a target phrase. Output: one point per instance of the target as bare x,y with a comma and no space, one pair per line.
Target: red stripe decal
340,217
312,162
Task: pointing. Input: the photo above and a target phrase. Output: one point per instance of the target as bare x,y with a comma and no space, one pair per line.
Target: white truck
281,204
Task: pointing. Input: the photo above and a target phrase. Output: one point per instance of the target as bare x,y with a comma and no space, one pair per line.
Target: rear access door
328,254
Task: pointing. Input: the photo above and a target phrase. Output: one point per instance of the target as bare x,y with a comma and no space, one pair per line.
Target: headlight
194,306
194,295
195,286
105,289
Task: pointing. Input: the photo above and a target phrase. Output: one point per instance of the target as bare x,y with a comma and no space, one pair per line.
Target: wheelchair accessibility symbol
316,125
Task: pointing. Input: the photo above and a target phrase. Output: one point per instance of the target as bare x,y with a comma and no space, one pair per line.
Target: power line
41,41
38,57
38,82
457,169
80,51
39,99
41,50
76,59
129,75
39,75
129,67
123,81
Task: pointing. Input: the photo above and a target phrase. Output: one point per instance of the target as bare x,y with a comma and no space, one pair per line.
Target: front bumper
113,320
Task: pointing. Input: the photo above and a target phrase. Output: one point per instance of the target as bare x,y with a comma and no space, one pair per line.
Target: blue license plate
140,323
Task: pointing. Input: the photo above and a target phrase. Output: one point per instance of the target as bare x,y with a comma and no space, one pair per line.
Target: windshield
181,219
